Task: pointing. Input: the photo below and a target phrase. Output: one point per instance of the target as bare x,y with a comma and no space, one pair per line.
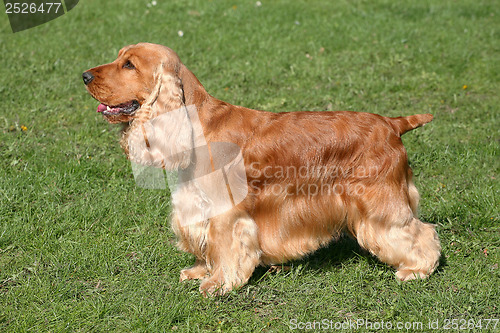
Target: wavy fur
311,175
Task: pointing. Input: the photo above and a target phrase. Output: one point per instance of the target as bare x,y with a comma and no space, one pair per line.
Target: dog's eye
128,65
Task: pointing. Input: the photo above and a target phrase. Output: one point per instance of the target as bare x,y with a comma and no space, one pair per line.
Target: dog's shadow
334,255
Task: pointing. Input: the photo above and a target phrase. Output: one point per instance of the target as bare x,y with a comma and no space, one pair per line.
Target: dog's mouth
124,108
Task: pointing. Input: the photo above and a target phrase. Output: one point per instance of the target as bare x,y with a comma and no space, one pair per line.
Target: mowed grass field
82,248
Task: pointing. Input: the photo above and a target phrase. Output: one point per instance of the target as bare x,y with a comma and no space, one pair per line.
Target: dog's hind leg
423,253
411,247
232,254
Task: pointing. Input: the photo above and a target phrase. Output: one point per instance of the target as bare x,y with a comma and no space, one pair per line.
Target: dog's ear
171,93
164,135
167,95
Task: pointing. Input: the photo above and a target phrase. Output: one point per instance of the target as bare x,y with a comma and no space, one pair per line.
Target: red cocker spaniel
261,188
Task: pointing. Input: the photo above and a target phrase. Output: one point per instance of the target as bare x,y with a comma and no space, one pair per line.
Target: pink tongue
101,108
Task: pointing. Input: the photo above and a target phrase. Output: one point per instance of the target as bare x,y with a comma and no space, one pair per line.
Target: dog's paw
214,287
407,275
193,273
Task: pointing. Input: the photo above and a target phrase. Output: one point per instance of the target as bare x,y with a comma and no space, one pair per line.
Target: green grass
83,249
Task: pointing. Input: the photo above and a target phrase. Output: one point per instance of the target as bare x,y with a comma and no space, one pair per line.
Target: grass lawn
82,248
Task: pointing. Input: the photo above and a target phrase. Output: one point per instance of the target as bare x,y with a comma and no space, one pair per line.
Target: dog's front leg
233,252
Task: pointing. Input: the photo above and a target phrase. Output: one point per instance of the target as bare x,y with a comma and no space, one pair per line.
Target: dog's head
141,83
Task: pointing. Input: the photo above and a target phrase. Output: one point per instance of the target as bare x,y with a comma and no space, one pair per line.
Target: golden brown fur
355,176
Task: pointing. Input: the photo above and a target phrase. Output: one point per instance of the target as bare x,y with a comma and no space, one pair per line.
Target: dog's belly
298,225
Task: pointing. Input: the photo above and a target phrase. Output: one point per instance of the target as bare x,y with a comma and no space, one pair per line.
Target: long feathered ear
167,95
162,134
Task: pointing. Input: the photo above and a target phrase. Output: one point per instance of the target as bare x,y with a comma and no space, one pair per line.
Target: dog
308,176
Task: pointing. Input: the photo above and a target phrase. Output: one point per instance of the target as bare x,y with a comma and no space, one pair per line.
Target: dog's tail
404,124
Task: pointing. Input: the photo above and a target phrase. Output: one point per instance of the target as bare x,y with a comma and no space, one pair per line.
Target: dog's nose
87,77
